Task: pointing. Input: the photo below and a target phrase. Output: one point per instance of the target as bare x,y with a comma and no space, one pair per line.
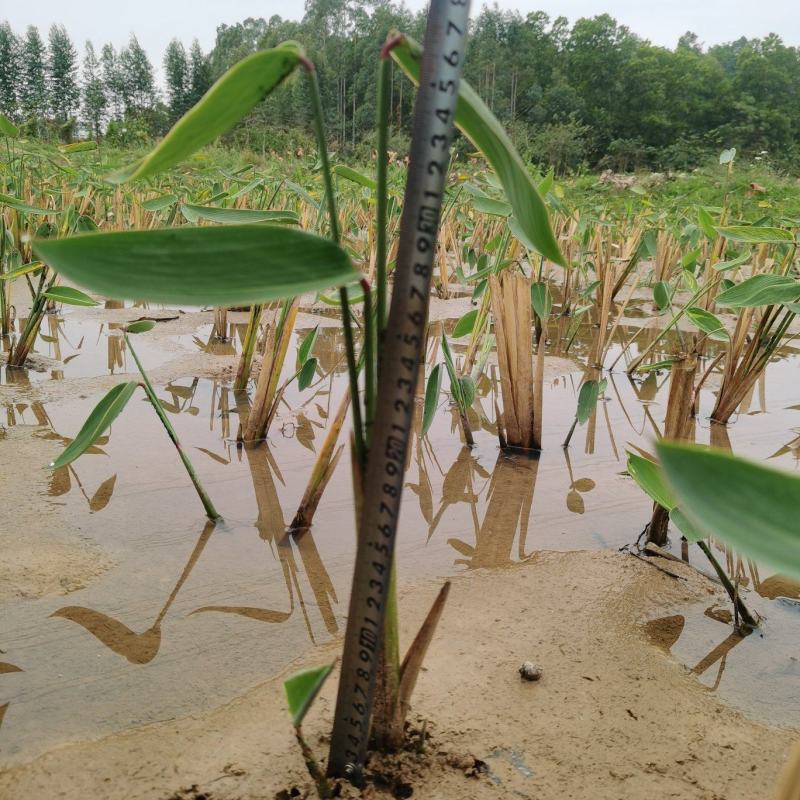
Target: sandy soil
612,717
42,552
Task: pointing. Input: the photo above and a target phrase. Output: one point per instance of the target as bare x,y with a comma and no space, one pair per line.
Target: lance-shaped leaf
751,507
488,205
18,272
647,475
78,147
542,300
587,399
724,266
662,295
481,127
356,177
159,203
755,235
237,216
230,99
307,345
141,326
70,296
465,325
708,323
301,689
306,374
221,266
18,205
760,290
104,413
432,391
8,128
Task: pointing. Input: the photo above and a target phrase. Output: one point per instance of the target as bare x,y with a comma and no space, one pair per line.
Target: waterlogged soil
136,639
610,717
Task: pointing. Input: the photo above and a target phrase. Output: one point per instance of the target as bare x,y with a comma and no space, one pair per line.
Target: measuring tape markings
401,355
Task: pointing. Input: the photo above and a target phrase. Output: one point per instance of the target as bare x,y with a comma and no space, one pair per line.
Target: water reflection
138,648
5,669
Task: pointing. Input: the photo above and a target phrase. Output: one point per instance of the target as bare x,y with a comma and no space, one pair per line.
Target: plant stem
381,202
211,512
347,323
747,617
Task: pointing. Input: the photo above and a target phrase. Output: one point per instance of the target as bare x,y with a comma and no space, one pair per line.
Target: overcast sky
155,22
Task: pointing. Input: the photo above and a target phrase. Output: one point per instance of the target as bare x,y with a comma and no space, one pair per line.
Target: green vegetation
587,94
175,223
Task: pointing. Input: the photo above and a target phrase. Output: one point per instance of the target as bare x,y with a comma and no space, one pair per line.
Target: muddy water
192,615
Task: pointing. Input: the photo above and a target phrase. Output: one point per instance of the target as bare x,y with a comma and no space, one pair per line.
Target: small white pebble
530,672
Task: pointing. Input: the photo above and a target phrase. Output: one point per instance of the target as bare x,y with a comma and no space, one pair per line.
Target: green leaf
465,325
486,205
307,373
356,177
542,300
142,326
724,266
78,147
18,205
159,203
587,400
455,386
237,216
685,525
520,234
708,323
650,479
70,296
546,184
432,391
307,345
104,413
662,295
666,364
706,222
18,272
301,689
219,266
466,387
8,128
760,290
481,127
754,235
230,99
750,507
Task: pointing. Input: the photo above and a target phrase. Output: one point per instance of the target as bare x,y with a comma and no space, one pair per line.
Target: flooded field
187,615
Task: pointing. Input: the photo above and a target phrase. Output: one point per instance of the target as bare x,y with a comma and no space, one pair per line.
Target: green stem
382,180
248,348
371,325
347,323
747,617
211,512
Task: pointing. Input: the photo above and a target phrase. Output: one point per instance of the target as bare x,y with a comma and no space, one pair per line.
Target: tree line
587,94
44,88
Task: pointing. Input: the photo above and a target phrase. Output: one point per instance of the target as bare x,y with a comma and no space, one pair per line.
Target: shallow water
192,615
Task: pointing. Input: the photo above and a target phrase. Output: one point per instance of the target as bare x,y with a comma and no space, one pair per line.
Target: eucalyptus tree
112,80
176,70
199,76
33,82
136,78
9,72
94,98
62,76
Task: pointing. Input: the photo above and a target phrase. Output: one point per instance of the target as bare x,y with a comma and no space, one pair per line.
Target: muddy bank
613,716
